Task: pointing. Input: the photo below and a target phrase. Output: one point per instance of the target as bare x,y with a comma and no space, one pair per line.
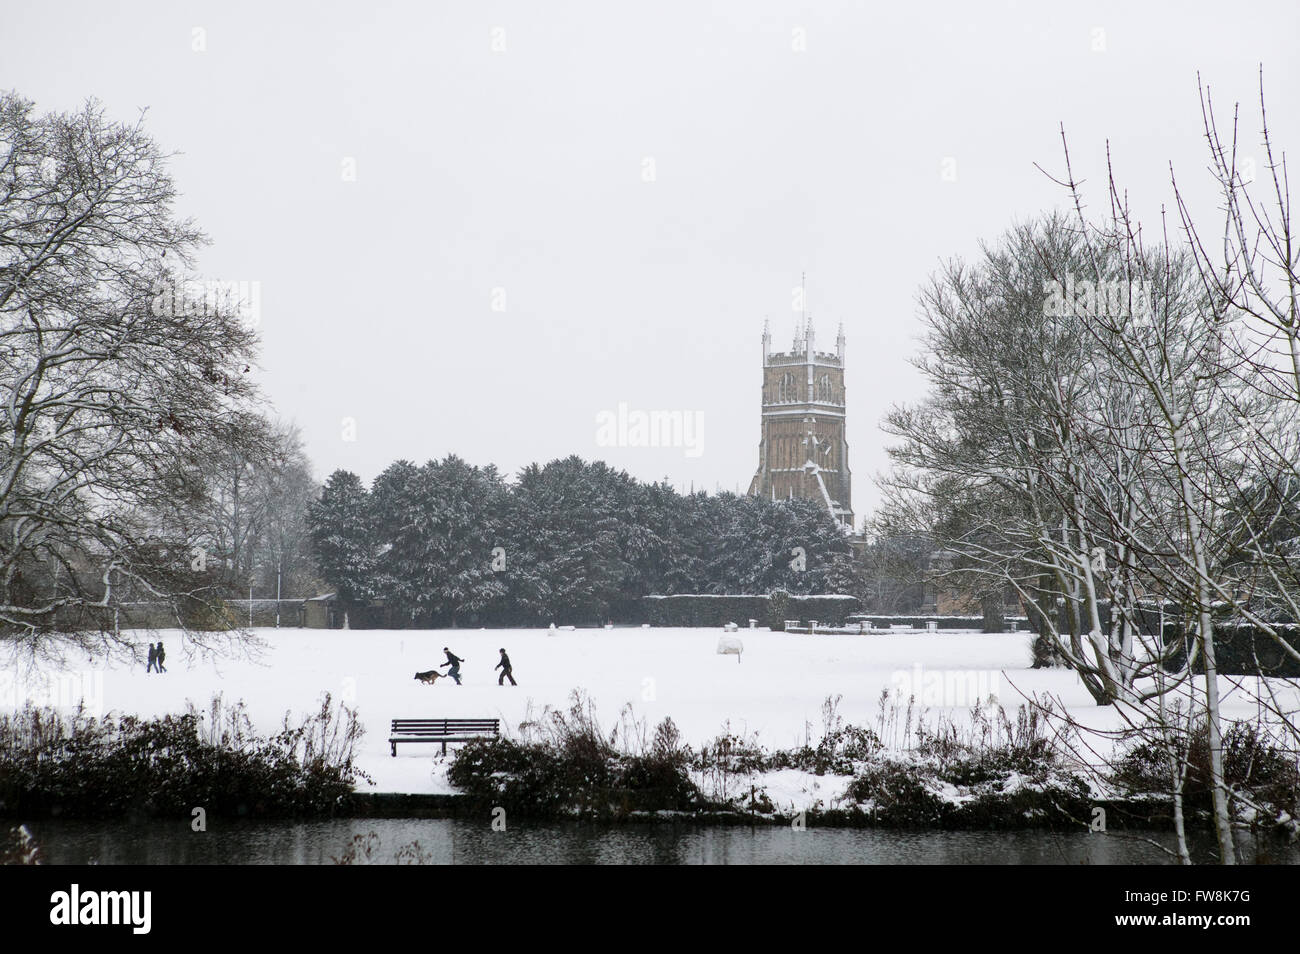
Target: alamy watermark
77,907
54,690
636,428
1113,298
191,297
961,688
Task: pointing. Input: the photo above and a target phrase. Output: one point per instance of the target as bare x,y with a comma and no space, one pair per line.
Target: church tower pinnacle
802,449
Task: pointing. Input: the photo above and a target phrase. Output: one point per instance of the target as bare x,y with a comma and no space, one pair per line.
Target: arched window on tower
786,390
824,391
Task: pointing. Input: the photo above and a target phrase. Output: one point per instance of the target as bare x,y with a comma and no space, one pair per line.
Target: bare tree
1111,422
113,393
1025,459
1252,273
1215,371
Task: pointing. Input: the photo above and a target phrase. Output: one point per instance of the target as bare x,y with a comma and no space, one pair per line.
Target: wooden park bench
442,730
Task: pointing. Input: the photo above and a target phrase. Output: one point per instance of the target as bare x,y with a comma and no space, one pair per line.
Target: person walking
153,658
504,666
162,654
454,662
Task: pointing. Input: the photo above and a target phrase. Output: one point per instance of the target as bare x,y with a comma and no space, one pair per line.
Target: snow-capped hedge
704,609
220,614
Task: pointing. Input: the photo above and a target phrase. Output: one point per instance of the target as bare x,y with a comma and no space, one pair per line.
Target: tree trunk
1222,813
994,622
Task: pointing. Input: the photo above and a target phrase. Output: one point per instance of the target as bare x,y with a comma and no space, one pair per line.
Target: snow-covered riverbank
776,690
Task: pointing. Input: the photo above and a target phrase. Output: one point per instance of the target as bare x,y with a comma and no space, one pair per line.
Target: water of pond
458,841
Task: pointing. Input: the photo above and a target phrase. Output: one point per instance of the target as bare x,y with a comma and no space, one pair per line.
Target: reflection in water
460,841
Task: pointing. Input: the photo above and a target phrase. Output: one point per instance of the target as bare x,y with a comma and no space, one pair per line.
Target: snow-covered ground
775,690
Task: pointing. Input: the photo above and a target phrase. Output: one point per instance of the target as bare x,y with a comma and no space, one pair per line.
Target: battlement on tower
799,357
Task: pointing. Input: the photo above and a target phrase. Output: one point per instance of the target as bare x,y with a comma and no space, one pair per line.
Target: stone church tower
803,452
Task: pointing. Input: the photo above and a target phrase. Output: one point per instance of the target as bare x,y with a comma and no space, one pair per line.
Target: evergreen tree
438,524
342,536
460,517
569,534
569,541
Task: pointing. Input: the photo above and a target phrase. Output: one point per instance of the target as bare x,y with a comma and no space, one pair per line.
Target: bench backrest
445,726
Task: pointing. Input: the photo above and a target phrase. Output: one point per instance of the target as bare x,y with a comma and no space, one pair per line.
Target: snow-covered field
776,689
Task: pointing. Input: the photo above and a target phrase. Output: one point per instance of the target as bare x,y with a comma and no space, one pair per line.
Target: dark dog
430,677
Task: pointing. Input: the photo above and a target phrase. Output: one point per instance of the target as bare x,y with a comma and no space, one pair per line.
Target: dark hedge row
1243,650
218,614
702,610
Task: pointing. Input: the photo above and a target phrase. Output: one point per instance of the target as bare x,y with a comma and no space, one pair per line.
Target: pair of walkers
156,657
452,665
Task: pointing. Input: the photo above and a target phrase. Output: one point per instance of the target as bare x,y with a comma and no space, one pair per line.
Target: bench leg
394,747
444,748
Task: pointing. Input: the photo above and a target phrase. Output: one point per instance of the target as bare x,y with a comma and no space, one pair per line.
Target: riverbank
887,731
774,691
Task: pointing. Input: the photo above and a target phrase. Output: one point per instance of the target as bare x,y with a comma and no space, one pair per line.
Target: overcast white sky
522,169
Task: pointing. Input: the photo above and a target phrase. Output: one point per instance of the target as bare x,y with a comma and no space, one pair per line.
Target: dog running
430,676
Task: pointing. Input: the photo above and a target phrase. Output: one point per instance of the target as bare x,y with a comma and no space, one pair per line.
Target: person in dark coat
504,666
162,654
454,662
153,658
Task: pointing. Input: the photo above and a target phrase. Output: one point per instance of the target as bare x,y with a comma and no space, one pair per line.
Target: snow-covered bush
839,752
728,762
169,765
566,764
1257,767
17,847
917,793
899,794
